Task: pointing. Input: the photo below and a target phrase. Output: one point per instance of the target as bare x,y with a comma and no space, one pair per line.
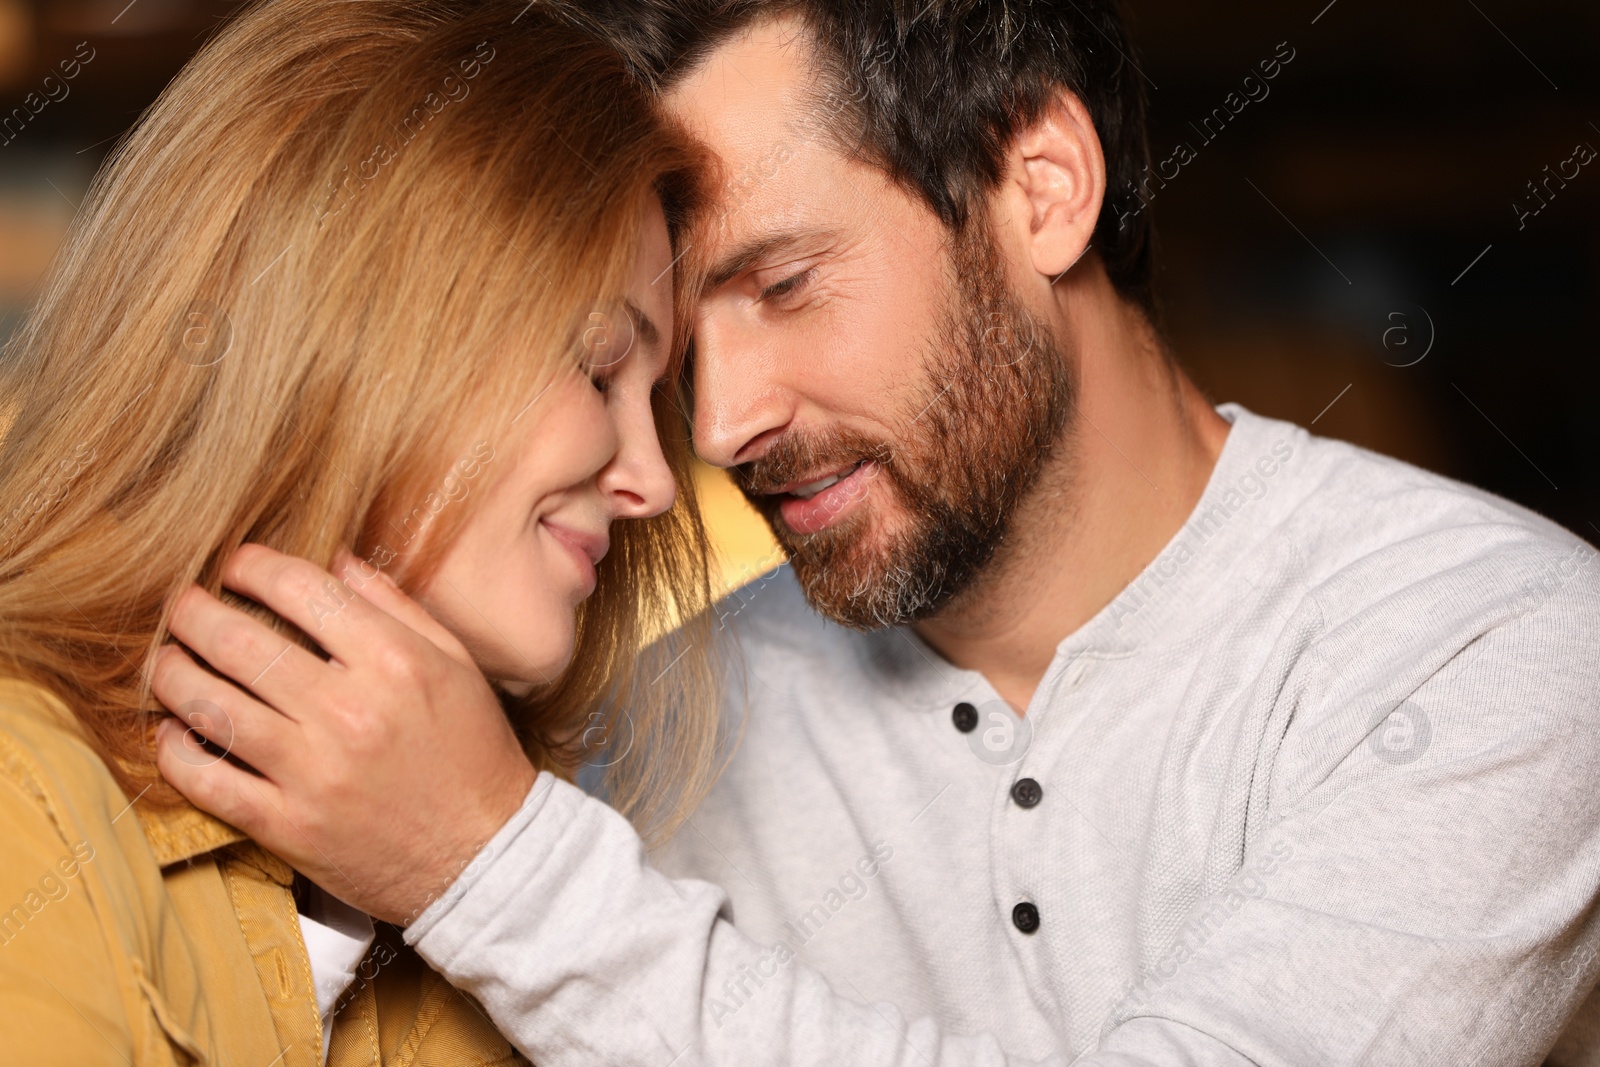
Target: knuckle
295,579
163,676
308,820
355,729
232,804
204,789
184,609
246,559
343,785
365,735
209,791
236,641
398,665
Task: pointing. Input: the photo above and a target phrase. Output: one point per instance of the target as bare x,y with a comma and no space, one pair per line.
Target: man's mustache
800,457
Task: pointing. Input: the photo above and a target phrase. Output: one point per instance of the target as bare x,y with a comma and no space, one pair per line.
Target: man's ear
1054,184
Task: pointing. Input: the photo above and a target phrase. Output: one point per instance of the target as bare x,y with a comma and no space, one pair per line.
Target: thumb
379,590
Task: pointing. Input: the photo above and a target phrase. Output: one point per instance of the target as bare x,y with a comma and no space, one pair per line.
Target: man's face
881,396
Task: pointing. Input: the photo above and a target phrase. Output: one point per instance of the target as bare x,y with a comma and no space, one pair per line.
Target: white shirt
1321,785
337,938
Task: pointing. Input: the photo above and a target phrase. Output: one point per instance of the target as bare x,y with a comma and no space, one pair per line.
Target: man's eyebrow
756,249
649,332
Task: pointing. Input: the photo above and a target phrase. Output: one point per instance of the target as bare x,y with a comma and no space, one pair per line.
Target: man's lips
811,505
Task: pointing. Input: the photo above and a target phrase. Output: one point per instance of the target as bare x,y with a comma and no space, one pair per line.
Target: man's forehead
753,91
752,101
779,46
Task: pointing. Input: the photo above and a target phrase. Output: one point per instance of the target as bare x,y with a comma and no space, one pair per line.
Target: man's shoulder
1371,536
1359,530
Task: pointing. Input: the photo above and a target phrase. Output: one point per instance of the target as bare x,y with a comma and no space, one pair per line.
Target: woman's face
581,455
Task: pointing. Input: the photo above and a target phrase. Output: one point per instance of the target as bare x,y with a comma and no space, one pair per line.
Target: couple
1087,722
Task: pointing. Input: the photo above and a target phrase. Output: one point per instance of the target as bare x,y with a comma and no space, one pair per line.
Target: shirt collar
1158,605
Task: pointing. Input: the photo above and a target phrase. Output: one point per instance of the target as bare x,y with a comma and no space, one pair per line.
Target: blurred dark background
1328,233
1345,250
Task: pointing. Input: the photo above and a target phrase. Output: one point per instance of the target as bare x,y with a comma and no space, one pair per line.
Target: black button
1025,917
1026,792
965,717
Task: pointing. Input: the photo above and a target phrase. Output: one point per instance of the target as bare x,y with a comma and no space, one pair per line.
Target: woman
391,276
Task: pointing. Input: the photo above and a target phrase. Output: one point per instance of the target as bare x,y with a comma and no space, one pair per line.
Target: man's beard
993,406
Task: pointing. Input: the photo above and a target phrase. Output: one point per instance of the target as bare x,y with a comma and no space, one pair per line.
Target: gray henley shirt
1318,787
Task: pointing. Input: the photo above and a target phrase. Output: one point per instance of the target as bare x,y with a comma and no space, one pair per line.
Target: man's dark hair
934,91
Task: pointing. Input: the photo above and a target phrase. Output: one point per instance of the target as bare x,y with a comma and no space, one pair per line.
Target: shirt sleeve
1421,900
1431,899
583,953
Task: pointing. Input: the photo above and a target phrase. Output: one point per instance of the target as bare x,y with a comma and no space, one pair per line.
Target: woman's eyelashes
600,368
604,378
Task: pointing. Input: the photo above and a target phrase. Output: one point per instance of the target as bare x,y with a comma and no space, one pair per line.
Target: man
1093,723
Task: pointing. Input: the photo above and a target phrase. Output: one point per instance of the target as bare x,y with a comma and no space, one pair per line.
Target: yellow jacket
157,939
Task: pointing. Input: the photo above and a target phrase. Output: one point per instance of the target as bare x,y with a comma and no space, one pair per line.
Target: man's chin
852,575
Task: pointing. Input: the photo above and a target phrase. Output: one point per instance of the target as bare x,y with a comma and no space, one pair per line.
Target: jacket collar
176,833
184,832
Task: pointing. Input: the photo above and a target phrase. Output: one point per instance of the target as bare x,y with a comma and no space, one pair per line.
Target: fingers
327,609
377,588
245,649
230,793
351,615
247,801
219,712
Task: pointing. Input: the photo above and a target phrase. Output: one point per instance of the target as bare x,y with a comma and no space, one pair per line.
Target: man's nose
741,399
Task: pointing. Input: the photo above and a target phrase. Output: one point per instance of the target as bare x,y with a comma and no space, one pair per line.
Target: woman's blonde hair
346,235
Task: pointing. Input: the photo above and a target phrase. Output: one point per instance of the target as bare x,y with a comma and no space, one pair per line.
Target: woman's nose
637,481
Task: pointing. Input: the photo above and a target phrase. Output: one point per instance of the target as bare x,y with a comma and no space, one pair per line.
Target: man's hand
382,771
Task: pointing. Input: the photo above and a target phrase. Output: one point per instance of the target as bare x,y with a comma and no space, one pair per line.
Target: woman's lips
586,550
816,513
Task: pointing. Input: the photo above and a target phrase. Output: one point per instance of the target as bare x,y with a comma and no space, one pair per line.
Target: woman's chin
519,674
514,687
